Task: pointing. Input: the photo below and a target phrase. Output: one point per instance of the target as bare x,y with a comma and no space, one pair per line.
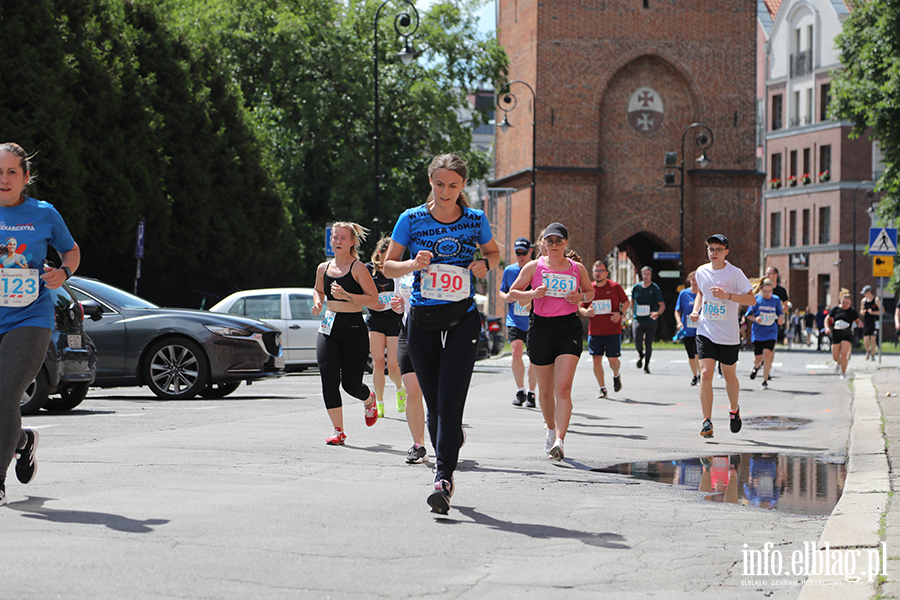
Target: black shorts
514,333
869,328
727,355
403,354
758,347
837,338
549,337
386,322
690,346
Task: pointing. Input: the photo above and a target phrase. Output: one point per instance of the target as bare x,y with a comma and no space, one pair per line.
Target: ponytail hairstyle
572,254
378,255
454,163
759,284
357,232
845,292
24,161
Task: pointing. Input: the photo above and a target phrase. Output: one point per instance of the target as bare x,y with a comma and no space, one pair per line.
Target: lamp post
870,194
704,142
506,101
403,21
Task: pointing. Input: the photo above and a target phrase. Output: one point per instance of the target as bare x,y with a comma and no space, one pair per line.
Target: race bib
520,311
642,310
406,286
602,307
385,299
715,311
18,287
767,318
327,322
841,324
446,282
559,285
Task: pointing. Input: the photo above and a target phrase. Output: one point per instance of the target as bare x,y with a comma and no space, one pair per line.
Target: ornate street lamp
406,25
506,101
704,142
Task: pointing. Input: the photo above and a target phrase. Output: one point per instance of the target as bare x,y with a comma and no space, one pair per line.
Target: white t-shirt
720,319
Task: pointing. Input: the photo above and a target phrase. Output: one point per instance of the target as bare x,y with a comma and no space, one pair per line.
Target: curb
856,519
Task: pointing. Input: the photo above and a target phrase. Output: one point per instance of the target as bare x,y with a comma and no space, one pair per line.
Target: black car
71,361
177,353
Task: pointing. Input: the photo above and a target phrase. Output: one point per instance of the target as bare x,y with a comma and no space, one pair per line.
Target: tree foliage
867,89
305,69
129,120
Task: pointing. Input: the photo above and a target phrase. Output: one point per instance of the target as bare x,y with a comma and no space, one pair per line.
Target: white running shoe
556,452
549,439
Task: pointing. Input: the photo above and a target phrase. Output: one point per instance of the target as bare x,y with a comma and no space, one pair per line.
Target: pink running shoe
337,438
372,411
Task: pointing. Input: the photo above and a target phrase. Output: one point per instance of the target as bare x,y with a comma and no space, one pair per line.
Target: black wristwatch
487,263
67,271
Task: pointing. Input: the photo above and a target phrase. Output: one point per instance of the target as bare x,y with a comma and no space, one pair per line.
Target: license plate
74,341
279,362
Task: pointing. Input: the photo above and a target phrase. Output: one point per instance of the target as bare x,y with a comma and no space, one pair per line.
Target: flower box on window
824,176
792,180
775,184
805,179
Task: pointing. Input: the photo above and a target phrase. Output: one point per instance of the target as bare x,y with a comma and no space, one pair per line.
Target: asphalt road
241,498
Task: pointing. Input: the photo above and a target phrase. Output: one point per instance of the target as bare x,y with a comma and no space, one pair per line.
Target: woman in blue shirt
26,308
442,333
687,329
766,316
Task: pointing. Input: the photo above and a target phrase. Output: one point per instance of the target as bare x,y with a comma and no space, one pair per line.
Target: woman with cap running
839,325
559,285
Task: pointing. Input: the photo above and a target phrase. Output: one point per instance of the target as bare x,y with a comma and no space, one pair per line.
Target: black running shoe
439,499
617,383
754,371
735,420
26,464
529,403
604,393
416,455
707,430
695,380
647,369
520,399
640,362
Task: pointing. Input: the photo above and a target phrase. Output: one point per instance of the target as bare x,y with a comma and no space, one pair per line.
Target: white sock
521,389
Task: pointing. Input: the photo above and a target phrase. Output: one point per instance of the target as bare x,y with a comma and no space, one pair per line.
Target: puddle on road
800,485
775,423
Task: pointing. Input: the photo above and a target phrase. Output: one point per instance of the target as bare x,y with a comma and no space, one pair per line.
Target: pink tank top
549,306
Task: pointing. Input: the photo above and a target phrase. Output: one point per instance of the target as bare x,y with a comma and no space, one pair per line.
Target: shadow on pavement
34,508
543,532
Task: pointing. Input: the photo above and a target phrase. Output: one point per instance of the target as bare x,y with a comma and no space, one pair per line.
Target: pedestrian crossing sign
882,241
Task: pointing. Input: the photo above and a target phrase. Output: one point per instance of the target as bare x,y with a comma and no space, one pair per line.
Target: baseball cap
717,238
866,288
523,244
557,229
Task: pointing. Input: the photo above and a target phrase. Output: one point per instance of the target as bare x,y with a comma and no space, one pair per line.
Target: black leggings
443,362
640,330
342,359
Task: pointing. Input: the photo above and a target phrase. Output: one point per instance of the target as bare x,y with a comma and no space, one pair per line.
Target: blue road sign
882,241
328,251
667,256
139,248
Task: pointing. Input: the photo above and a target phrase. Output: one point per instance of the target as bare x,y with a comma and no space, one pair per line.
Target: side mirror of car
92,309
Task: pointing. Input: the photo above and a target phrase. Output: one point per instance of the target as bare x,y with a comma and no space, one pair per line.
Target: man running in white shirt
723,288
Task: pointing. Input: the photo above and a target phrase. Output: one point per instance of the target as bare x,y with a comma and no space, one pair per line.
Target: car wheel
175,369
71,396
35,395
214,391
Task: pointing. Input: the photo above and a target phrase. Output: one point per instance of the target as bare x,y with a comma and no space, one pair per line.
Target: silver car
287,309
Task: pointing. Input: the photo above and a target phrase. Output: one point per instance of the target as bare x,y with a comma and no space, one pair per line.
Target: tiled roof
772,6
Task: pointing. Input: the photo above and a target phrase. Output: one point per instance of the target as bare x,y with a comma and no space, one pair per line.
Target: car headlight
226,331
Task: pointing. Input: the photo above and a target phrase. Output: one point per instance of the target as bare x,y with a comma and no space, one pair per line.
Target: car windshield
114,295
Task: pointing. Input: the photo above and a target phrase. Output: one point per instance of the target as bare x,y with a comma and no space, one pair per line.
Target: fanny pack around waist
440,317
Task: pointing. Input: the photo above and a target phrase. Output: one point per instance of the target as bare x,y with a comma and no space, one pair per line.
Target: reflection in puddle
801,485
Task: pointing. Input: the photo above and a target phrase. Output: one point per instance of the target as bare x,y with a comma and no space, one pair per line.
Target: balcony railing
801,64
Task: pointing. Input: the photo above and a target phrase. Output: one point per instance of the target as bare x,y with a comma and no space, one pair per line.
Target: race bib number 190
446,282
559,285
18,287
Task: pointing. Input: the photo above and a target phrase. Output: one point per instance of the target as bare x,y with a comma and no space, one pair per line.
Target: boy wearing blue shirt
517,325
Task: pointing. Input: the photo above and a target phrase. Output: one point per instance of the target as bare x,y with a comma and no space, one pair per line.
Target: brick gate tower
616,85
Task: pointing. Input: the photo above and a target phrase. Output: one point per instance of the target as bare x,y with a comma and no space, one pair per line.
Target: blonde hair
378,255
690,276
454,163
357,232
758,284
844,292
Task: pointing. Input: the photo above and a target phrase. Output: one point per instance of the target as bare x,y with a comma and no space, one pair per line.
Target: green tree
305,69
867,89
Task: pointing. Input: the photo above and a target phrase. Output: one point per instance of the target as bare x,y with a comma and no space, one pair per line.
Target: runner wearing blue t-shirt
766,316
517,317
442,333
26,307
687,329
